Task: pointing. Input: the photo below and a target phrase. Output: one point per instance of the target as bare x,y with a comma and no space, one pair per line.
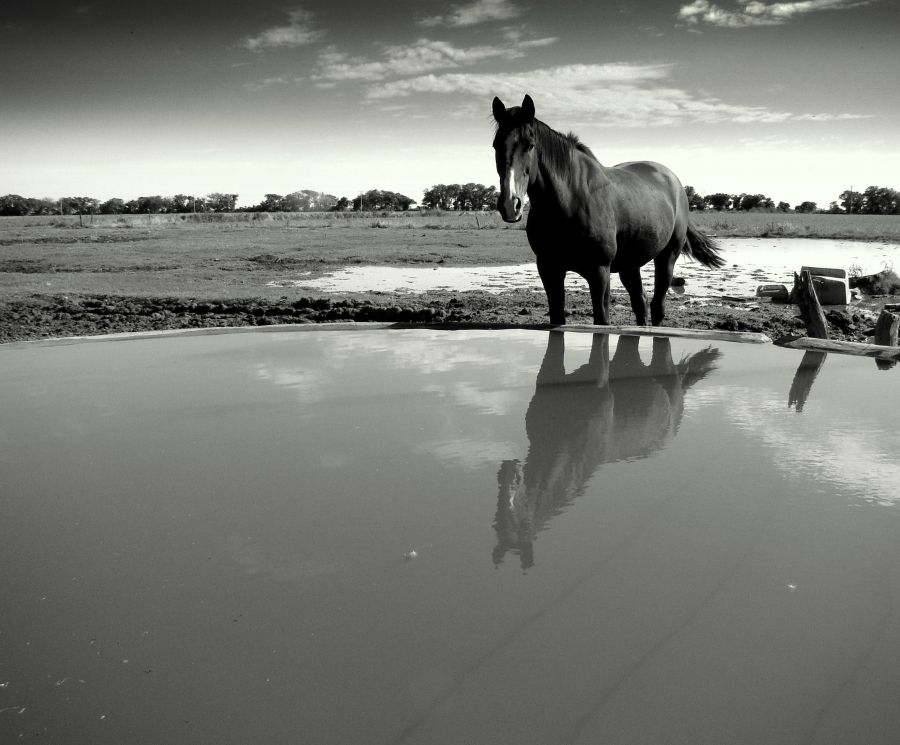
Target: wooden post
810,308
886,335
886,329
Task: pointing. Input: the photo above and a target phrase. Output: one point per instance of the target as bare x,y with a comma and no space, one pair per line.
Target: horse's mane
557,147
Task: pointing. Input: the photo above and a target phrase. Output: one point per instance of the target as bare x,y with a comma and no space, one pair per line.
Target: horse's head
515,155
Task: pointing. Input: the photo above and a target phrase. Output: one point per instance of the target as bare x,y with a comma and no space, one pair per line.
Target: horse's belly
573,252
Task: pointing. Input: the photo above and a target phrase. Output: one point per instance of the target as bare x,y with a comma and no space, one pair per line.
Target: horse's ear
499,110
528,107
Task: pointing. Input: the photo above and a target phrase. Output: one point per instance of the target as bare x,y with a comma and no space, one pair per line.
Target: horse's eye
529,147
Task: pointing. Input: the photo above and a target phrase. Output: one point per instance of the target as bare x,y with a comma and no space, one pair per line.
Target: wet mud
53,316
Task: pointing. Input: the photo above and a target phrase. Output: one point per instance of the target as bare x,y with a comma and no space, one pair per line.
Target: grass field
70,276
733,224
235,255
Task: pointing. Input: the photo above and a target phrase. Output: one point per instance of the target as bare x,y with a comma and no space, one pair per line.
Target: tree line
874,200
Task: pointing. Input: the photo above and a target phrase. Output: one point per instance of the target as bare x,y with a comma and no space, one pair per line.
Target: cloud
297,32
619,94
471,14
421,56
756,13
275,80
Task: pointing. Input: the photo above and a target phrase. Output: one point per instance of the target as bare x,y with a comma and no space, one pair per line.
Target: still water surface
617,539
750,262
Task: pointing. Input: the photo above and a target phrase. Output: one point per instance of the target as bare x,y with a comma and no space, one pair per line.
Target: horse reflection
604,411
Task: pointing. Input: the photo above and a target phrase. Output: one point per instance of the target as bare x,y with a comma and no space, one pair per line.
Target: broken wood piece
886,329
886,335
810,308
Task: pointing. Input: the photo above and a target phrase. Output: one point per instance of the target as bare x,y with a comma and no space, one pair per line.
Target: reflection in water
604,411
804,378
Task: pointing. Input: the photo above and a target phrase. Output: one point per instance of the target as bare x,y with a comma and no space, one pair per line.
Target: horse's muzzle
510,210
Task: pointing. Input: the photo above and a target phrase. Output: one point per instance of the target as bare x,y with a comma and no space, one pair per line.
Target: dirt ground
59,278
47,316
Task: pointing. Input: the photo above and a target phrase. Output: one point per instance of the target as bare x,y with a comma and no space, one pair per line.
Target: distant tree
341,205
695,201
217,202
485,197
435,198
805,207
78,205
292,202
307,200
783,207
182,203
271,203
13,205
458,197
880,200
114,206
747,202
378,200
155,204
718,201
68,205
44,206
850,201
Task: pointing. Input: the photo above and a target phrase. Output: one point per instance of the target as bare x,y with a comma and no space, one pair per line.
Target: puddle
439,537
750,262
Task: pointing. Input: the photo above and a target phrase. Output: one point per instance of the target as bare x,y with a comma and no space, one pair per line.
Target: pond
428,536
750,262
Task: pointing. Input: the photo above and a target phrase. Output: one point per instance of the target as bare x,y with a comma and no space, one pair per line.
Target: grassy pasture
235,255
794,225
732,224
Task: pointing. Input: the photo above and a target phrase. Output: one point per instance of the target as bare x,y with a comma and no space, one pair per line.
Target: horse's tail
703,248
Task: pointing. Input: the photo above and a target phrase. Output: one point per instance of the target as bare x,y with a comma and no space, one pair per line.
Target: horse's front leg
553,277
631,278
598,282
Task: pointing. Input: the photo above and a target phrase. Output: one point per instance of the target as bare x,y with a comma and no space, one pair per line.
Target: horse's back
646,174
651,209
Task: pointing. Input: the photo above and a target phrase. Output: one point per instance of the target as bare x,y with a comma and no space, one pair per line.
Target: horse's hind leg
553,277
662,278
631,278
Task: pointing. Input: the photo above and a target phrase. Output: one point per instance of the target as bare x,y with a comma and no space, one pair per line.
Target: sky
113,98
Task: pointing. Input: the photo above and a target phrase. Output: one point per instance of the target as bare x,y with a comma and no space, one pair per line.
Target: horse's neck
556,177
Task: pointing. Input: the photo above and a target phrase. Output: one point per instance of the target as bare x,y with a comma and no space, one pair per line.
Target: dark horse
590,219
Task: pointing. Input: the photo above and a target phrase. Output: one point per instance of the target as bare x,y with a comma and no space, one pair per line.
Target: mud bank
47,316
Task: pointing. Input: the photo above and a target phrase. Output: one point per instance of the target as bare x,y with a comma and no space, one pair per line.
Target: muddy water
751,262
446,537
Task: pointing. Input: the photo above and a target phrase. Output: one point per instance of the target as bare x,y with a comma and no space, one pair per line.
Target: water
617,539
750,262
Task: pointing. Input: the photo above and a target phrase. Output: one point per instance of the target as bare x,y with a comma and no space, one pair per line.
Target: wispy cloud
297,32
471,14
275,80
423,55
756,13
622,95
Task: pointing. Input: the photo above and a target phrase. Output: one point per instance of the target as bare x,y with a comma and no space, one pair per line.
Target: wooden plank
840,347
746,337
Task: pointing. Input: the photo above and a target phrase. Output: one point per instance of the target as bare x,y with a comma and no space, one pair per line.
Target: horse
612,410
590,219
